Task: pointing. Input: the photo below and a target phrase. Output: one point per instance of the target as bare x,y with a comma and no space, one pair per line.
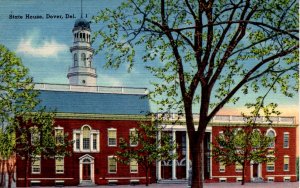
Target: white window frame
33,165
134,166
108,165
35,135
271,179
288,139
80,133
55,132
222,167
273,144
240,169
63,165
221,133
268,170
108,138
133,130
288,163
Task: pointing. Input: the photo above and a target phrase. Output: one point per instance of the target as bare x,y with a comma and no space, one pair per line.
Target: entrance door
255,170
86,171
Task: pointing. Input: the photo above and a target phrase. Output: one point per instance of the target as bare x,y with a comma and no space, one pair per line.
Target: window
35,136
112,137
133,166
221,135
133,137
95,141
238,167
183,143
271,133
36,165
112,165
59,165
270,179
77,141
221,167
286,137
83,59
286,161
86,139
75,60
59,135
270,166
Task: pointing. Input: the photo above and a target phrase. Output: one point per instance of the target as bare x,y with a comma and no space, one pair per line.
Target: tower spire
81,8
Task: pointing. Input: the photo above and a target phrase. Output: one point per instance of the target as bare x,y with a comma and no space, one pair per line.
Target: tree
36,139
206,53
20,118
17,97
145,148
243,145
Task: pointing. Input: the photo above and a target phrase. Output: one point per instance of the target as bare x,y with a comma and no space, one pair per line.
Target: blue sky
43,44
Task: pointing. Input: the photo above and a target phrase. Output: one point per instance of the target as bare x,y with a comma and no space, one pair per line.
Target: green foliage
149,148
18,101
246,143
204,52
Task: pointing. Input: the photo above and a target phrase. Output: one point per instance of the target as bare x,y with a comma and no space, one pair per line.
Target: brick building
283,169
94,117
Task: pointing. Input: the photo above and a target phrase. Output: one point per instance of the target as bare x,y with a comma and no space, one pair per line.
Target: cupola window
75,60
83,59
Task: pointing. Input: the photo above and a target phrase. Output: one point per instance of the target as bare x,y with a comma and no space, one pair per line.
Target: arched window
272,134
86,139
83,59
75,60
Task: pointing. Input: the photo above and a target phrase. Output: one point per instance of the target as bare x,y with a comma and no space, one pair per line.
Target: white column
174,152
187,155
158,166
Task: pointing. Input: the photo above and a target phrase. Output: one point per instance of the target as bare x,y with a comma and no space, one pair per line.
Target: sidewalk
216,185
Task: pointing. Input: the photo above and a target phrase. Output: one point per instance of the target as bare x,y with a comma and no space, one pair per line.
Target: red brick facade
278,174
99,171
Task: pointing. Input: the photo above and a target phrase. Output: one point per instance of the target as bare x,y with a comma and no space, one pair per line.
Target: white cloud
46,48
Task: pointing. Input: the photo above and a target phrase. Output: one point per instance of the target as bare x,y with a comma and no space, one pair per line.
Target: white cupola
82,72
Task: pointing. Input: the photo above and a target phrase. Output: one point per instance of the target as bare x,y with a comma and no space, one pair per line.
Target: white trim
132,130
112,145
222,179
281,175
92,171
80,132
286,133
46,178
108,169
123,178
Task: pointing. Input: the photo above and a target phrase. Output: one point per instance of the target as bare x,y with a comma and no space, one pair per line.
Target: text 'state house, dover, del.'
95,117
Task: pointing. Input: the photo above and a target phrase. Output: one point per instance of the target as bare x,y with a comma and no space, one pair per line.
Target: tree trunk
147,176
2,173
197,151
243,173
26,169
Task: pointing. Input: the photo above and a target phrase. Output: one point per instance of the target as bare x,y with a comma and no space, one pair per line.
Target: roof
82,23
94,103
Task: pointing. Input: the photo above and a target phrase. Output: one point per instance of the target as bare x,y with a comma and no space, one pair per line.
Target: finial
81,8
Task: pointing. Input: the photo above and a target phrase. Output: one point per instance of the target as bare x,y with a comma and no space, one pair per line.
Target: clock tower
82,71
